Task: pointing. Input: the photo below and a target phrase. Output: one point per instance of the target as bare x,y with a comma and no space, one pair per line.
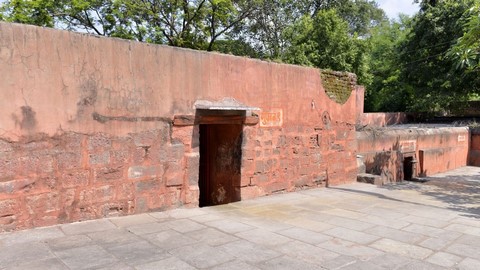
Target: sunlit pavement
430,225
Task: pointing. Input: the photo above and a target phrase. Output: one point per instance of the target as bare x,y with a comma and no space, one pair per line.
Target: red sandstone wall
437,150
382,119
86,126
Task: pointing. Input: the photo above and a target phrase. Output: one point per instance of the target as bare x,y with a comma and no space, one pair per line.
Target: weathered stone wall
436,150
86,126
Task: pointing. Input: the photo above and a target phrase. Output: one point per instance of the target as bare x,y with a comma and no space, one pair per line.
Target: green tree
386,92
423,57
324,42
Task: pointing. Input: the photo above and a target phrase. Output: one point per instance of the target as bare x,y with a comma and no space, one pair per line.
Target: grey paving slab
264,237
286,263
469,264
229,226
235,265
306,252
137,253
128,221
14,255
69,242
352,235
86,257
33,235
444,259
351,249
354,226
202,256
305,235
464,250
398,235
211,236
392,246
249,252
87,226
171,263
46,264
169,239
112,238
185,225
148,228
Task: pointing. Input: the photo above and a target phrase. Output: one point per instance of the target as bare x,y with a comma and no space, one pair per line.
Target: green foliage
386,92
324,41
423,56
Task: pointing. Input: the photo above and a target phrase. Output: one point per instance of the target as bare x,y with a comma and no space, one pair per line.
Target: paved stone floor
431,225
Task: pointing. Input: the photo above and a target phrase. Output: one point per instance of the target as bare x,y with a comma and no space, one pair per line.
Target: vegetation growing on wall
338,85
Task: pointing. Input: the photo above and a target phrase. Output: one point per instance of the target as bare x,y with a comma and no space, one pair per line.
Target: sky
394,7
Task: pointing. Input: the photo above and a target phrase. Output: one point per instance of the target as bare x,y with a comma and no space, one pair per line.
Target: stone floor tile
185,225
466,229
351,235
112,238
269,225
383,212
469,264
85,257
343,213
425,230
306,252
363,265
186,213
444,259
249,252
33,235
351,249
23,253
263,237
235,265
229,226
169,239
309,224
305,235
171,263
387,222
464,250
286,263
435,243
392,246
47,264
211,236
398,235
117,266
469,240
391,261
206,218
68,242
425,221
421,265
87,226
202,256
160,216
149,228
349,223
127,221
137,253
338,262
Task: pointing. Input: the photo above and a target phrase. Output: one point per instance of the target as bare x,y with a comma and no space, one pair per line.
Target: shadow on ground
458,190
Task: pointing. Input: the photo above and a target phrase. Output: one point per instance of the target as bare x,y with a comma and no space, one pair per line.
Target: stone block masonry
87,126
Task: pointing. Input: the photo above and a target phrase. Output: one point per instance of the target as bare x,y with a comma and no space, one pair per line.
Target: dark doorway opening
408,168
220,163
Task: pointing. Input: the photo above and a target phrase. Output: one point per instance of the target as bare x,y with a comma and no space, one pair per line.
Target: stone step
370,179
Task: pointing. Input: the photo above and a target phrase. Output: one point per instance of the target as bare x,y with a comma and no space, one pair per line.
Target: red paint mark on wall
273,118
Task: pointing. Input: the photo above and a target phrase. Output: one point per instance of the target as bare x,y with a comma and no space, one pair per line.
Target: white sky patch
394,7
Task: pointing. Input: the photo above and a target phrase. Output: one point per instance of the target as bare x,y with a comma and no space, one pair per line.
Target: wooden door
220,163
